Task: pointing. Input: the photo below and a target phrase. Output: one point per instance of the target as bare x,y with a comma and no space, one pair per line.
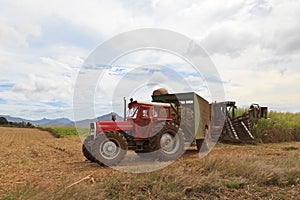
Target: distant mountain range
86,122
63,121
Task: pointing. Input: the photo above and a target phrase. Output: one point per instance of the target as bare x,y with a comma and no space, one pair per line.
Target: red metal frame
143,123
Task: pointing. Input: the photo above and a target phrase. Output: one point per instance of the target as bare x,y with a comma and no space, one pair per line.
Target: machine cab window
144,112
132,112
160,112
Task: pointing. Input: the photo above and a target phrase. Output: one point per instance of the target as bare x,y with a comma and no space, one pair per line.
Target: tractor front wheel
87,148
110,148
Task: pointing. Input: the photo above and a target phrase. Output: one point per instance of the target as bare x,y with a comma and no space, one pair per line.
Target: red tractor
148,128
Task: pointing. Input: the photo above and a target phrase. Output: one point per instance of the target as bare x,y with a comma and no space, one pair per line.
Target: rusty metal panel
194,112
202,116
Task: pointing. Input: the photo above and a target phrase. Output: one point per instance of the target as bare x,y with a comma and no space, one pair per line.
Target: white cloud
254,44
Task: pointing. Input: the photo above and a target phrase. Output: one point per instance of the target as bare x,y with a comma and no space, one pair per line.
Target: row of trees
4,122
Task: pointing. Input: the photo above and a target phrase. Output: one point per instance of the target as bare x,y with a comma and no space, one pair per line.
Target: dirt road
34,164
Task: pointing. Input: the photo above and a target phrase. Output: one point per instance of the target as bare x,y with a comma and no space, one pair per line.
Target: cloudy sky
255,46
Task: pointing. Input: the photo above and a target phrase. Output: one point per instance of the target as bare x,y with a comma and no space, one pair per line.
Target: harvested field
35,165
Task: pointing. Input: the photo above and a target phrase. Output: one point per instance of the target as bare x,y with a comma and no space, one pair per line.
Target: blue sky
254,44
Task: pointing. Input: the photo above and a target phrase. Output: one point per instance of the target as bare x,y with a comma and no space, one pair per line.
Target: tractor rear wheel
87,148
110,148
168,143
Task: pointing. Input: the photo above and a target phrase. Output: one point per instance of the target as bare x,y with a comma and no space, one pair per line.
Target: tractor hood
114,126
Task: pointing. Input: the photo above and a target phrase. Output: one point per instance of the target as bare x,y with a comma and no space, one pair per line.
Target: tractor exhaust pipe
124,108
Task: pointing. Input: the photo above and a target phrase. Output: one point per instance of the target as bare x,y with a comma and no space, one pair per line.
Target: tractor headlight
93,128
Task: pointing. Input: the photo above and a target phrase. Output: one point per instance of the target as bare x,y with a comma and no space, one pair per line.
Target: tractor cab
144,110
146,115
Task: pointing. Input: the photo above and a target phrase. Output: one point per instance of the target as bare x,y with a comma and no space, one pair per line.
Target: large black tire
87,148
110,148
168,143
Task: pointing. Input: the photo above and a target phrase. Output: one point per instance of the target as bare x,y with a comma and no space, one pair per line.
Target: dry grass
40,171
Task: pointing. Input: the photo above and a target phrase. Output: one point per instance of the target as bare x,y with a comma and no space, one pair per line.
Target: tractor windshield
132,112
